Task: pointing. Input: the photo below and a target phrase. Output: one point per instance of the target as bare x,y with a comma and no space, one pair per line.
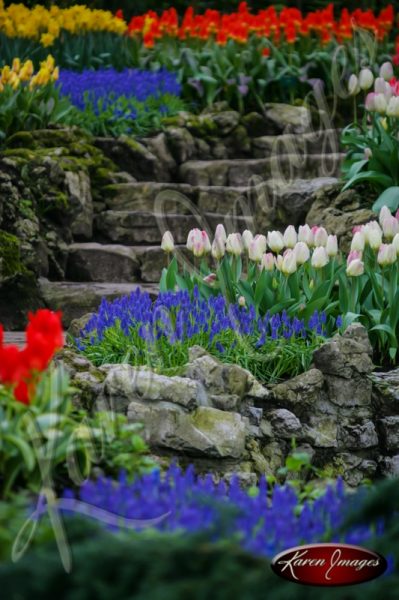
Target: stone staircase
270,185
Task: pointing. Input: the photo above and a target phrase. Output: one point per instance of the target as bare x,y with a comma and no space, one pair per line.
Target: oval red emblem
329,564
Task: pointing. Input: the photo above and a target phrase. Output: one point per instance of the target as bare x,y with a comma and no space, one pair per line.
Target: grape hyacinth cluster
178,317
104,86
264,522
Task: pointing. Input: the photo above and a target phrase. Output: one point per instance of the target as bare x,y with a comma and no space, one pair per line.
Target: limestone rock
284,118
390,432
205,432
285,423
102,262
219,378
386,392
390,466
301,393
125,384
340,211
79,196
358,435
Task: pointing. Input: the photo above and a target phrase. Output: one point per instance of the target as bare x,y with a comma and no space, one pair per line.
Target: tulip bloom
247,238
386,71
290,237
168,243
289,265
390,227
218,248
305,234
302,253
320,236
354,255
332,245
257,248
353,85
355,268
358,241
380,103
319,257
386,255
275,241
267,262
234,244
221,232
384,214
366,79
395,243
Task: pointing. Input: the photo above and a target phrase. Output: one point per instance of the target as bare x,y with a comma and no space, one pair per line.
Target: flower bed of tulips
242,57
311,274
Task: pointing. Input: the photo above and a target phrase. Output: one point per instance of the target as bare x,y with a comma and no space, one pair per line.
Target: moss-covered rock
10,257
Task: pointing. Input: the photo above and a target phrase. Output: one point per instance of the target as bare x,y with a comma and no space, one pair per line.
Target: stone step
315,142
16,338
238,172
117,263
180,198
75,299
131,227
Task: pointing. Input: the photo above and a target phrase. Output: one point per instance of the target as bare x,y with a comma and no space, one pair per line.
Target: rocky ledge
220,418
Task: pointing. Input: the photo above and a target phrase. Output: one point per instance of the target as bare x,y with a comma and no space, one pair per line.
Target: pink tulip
218,247
354,255
384,214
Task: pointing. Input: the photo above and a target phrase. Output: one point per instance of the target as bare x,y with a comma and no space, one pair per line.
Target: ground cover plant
114,103
103,102
137,331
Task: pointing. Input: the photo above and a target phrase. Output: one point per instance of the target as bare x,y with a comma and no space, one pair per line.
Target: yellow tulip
16,65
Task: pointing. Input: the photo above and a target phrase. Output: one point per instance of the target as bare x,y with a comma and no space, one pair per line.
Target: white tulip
332,245
355,268
221,232
290,237
247,238
353,85
275,241
384,214
168,243
366,79
305,234
358,241
386,71
234,244
302,253
289,262
319,257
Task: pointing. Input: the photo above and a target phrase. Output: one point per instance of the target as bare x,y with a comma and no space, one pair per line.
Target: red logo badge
329,564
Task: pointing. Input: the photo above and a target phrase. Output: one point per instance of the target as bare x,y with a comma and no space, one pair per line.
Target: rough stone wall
220,418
